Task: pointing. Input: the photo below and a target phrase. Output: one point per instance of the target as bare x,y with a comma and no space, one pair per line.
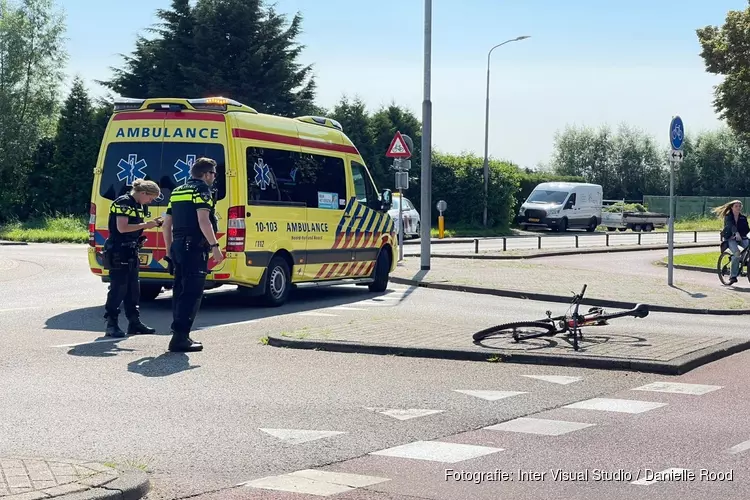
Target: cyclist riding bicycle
734,233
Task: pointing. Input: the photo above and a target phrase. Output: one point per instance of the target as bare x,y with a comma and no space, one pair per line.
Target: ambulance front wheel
380,274
278,284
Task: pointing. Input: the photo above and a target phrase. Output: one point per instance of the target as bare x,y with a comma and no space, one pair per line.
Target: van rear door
161,146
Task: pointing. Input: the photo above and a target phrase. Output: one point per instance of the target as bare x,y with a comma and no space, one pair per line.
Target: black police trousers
124,286
190,270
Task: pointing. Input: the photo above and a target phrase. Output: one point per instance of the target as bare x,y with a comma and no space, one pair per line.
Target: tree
383,126
236,48
76,151
726,51
31,62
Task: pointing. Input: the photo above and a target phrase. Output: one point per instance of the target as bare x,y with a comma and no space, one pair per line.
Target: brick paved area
23,478
657,352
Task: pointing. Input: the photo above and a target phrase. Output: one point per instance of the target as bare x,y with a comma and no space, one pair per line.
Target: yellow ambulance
294,199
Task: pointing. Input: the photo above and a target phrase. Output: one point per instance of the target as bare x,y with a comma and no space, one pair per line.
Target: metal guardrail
606,236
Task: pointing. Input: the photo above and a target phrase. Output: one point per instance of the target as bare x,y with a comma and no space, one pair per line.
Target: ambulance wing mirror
386,200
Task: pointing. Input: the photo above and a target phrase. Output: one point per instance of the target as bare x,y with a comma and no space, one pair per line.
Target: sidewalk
27,478
662,353
610,287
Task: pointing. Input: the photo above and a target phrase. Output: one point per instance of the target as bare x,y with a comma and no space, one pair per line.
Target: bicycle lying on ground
568,323
724,264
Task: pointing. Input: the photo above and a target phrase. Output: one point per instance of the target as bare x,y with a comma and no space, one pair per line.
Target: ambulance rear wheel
278,284
380,274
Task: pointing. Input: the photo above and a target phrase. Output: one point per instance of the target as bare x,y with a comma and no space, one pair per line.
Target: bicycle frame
572,323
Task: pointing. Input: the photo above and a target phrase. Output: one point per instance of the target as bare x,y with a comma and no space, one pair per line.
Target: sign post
441,206
400,151
677,141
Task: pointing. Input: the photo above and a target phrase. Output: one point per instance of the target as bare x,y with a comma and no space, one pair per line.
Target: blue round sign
676,133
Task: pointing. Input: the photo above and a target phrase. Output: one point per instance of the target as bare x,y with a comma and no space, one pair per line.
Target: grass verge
706,259
60,229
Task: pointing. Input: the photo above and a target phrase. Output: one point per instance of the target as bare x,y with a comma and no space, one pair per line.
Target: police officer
121,252
190,228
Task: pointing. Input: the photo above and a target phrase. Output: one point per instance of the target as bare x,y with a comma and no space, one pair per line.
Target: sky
586,63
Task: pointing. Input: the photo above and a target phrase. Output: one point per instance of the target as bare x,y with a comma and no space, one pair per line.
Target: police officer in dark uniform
121,256
190,228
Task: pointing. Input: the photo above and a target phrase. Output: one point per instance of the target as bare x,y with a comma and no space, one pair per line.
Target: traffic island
37,478
613,287
665,354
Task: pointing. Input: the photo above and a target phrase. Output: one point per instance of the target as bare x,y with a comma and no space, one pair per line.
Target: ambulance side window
262,164
364,190
319,182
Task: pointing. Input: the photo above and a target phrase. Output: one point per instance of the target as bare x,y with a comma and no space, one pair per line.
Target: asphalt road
550,241
206,422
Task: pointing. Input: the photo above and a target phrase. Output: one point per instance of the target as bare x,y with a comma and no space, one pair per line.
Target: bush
48,229
459,180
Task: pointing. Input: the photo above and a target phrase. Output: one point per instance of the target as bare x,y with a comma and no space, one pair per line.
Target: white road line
297,436
345,308
90,342
490,395
555,379
314,482
212,327
313,313
739,448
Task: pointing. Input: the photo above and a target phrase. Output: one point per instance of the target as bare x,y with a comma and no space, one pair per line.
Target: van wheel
381,272
592,225
149,292
278,284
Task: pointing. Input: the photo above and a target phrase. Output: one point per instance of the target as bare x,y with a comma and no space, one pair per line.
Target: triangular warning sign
398,147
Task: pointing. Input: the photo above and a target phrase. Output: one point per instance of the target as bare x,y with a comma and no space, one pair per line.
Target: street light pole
487,126
426,180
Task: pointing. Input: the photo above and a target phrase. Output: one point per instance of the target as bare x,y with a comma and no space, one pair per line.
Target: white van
561,206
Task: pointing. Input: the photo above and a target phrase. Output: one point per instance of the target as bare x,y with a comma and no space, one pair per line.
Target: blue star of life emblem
131,169
262,174
183,168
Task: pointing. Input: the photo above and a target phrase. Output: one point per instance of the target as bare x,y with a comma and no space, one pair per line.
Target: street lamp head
524,37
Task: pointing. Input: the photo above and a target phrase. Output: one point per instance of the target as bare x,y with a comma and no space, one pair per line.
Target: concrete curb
677,366
13,243
688,268
543,297
563,252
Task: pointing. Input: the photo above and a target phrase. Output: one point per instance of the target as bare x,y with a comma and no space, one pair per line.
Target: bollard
540,242
695,236
441,226
607,243
639,238
476,245
576,241
505,244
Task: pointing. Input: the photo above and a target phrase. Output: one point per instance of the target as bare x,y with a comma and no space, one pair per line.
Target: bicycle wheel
517,330
723,267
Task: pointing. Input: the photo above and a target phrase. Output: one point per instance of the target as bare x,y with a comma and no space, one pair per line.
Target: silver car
410,217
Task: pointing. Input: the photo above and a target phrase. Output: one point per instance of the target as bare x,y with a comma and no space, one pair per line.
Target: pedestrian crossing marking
739,448
401,414
297,436
490,395
314,482
665,475
539,426
437,451
555,379
679,388
616,405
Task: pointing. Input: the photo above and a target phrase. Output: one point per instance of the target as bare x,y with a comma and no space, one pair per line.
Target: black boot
113,329
136,327
183,343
